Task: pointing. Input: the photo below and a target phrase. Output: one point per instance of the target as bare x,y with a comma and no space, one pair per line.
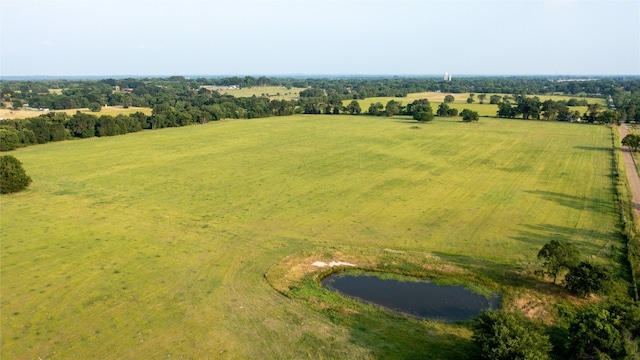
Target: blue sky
323,37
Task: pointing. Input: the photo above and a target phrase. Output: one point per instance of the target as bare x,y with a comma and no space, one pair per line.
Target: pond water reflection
421,299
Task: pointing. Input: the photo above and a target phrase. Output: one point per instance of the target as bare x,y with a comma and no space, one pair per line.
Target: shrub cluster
13,178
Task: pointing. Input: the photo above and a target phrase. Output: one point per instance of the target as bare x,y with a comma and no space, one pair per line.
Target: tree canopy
13,178
632,141
558,256
469,115
503,335
587,278
595,333
420,110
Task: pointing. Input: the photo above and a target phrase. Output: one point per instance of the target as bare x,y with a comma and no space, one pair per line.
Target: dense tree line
602,331
550,110
177,101
608,328
148,92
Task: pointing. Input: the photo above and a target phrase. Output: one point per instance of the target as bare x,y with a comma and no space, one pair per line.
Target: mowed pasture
460,103
156,244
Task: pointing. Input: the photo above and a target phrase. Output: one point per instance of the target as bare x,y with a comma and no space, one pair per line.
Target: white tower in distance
446,76
449,77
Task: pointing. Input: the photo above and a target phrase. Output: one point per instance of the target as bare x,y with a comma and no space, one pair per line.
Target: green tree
632,141
27,137
13,178
335,104
469,115
40,127
494,99
593,110
82,125
550,110
443,109
609,117
95,107
376,109
528,107
587,278
595,333
354,108
449,99
470,99
558,256
420,110
16,104
423,116
482,97
508,335
106,126
393,108
9,138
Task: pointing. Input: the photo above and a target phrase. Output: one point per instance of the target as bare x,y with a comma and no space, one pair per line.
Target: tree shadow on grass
574,202
541,234
502,274
390,336
593,148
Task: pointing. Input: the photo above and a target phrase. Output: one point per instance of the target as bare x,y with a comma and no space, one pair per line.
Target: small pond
421,299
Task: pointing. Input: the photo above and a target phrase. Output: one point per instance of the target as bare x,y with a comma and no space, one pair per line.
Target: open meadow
156,244
272,92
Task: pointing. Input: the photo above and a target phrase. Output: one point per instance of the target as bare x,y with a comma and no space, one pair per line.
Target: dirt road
632,172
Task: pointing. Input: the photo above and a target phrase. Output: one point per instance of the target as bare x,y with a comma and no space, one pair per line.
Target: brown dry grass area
540,303
533,305
109,110
294,268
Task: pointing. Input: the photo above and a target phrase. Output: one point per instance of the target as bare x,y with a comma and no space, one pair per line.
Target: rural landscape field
162,244
319,179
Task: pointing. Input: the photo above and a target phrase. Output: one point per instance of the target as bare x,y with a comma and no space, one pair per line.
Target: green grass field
155,244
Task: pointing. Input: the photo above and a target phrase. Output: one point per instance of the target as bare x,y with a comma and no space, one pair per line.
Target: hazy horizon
284,38
309,76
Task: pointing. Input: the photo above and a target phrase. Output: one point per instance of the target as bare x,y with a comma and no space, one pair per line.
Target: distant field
156,244
108,110
486,109
273,92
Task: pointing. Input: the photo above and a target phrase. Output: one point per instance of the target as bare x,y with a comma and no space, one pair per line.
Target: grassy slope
156,243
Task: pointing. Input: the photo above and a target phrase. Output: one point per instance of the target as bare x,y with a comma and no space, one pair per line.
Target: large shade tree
13,178
632,141
558,256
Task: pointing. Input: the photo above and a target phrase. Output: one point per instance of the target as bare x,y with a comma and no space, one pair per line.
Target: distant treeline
57,126
177,101
155,91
